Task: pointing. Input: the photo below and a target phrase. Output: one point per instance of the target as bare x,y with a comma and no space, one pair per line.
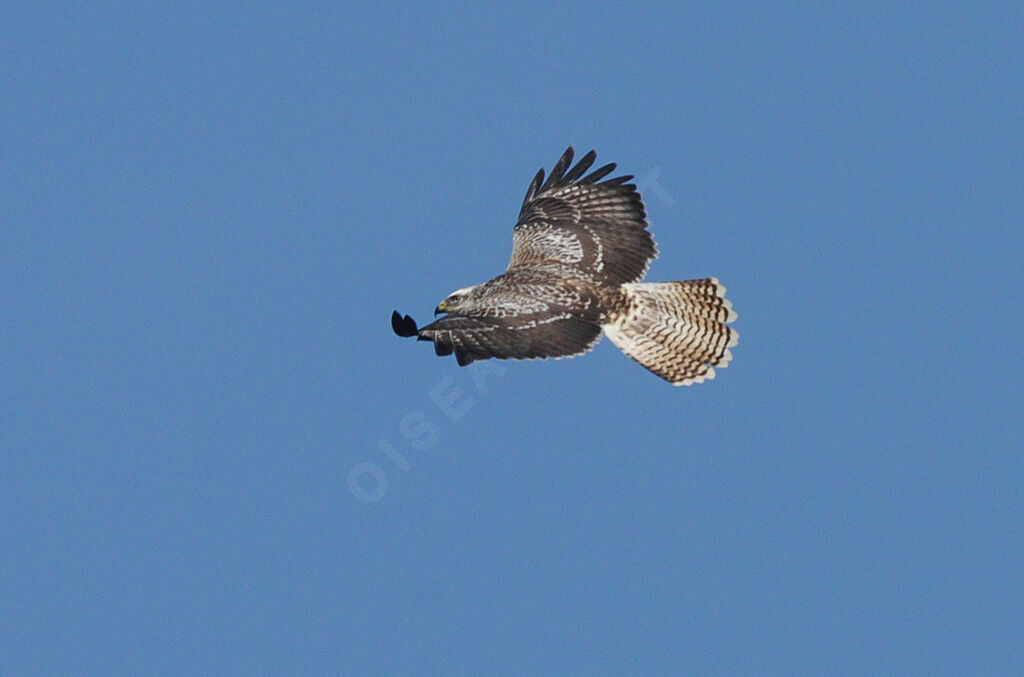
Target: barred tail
678,330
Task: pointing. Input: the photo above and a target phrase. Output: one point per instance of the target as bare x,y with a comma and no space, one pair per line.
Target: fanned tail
678,330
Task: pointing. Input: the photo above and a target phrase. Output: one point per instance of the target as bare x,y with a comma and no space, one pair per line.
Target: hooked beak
438,310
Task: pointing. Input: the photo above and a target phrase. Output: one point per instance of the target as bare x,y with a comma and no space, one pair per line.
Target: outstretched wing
479,338
597,227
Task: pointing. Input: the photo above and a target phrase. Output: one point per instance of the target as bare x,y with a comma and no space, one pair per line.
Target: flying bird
579,252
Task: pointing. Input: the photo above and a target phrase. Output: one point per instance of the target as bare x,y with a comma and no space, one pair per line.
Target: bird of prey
579,252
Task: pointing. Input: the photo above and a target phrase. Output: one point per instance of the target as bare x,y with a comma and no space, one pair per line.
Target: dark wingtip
558,171
599,173
583,165
403,326
538,179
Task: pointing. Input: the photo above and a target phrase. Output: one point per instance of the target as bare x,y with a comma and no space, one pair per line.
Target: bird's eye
454,298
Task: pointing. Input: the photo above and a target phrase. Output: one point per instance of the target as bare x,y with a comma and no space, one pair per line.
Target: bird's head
454,301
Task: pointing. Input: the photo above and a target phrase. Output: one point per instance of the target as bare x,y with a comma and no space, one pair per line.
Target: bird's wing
598,228
559,334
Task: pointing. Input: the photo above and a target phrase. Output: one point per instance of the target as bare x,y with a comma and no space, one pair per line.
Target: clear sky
218,459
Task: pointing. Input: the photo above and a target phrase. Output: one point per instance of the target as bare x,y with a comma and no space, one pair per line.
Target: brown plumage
580,248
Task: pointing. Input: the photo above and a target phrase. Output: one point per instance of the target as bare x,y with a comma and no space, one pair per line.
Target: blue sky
218,459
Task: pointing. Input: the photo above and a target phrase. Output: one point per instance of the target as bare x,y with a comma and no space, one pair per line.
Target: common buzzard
579,250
